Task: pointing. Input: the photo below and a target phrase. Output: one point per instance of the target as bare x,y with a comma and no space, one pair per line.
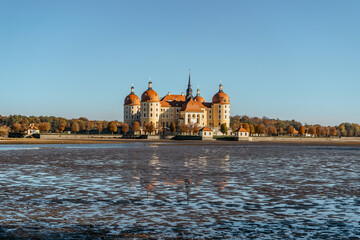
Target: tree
112,127
160,129
61,127
281,131
172,127
290,129
195,129
75,127
252,129
272,130
125,128
44,127
99,127
4,131
261,128
82,126
223,128
136,127
333,131
318,130
182,128
150,127
89,125
312,130
16,127
301,130
145,127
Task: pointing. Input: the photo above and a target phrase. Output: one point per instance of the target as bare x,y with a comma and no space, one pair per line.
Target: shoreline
255,141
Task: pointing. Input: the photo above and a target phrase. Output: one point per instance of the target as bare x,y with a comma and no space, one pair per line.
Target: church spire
189,90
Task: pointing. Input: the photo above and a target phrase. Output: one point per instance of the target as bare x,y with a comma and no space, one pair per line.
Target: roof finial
220,87
189,90
132,88
150,84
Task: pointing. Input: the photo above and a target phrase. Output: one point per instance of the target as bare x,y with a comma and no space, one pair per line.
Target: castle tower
131,108
189,90
221,108
150,106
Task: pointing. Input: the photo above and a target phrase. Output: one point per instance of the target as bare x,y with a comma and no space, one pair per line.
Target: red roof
192,106
221,97
242,130
150,96
132,99
170,97
206,129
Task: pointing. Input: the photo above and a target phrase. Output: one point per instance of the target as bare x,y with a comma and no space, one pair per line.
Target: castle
177,108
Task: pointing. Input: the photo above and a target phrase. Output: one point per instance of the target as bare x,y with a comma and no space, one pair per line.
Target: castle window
144,114
157,115
150,114
126,117
150,109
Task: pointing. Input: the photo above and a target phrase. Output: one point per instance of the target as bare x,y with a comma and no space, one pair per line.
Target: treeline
276,127
18,123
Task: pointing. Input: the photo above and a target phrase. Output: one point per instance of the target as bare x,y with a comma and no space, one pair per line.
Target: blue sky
280,59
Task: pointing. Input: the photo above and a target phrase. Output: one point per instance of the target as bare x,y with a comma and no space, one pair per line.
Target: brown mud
186,190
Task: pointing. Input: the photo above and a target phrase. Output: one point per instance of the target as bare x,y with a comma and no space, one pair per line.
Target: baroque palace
177,108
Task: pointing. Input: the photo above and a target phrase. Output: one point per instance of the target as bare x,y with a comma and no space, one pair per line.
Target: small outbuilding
241,134
32,129
206,133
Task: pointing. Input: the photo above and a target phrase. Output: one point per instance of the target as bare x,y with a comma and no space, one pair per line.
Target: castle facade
177,108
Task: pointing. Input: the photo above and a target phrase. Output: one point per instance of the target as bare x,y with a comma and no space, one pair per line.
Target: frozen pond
172,190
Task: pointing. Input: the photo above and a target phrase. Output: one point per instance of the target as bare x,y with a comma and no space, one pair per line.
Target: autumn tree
75,127
44,127
246,126
172,127
333,131
125,128
272,130
99,127
89,126
136,127
223,128
150,127
160,129
252,129
112,127
145,127
61,126
290,129
82,126
318,130
301,130
4,131
281,131
182,128
16,127
261,128
196,129
312,130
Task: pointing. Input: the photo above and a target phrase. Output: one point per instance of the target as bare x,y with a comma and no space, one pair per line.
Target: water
172,190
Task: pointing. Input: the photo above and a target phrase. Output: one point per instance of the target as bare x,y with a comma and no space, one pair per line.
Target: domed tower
198,97
221,108
131,108
150,106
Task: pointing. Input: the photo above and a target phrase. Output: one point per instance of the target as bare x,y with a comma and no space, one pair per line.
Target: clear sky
280,59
